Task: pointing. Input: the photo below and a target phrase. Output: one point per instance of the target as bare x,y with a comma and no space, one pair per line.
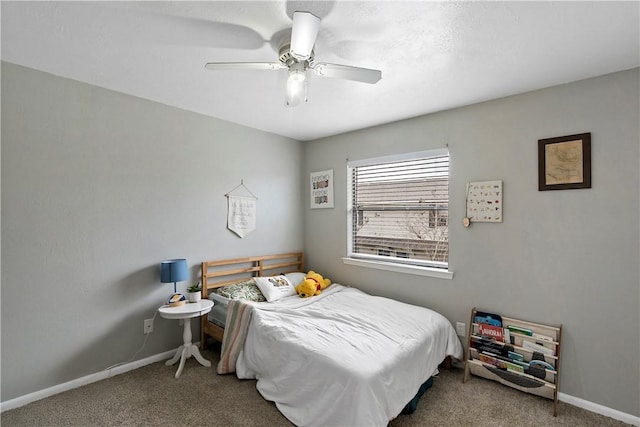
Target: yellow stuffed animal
306,289
313,284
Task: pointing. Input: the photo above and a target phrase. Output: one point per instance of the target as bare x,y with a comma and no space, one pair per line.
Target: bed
339,358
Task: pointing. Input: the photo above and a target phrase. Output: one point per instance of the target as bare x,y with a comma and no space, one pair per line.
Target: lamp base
176,300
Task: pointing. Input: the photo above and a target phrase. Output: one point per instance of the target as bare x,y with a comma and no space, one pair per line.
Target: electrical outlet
461,329
148,326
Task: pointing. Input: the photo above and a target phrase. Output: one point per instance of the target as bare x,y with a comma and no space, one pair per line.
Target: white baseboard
79,382
599,409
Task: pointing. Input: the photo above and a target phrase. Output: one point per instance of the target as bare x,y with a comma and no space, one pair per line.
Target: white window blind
400,209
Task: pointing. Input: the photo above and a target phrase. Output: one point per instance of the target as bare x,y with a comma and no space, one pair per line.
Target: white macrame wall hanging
241,217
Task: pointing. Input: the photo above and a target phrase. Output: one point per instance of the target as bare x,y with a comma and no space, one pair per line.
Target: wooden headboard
225,272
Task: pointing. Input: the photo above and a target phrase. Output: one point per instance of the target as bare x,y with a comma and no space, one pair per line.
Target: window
384,252
399,209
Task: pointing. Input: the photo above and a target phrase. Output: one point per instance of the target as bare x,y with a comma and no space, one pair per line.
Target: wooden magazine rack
526,357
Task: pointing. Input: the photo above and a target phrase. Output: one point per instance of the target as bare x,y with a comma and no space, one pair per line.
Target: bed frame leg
447,362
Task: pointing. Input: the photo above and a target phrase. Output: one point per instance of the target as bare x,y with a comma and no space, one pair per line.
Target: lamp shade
173,270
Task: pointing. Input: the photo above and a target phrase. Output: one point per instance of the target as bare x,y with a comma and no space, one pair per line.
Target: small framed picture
564,162
484,201
321,185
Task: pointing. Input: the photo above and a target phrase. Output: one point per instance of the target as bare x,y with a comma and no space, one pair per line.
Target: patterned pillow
244,290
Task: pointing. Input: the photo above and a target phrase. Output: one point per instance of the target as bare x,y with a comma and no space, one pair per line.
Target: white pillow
275,287
296,278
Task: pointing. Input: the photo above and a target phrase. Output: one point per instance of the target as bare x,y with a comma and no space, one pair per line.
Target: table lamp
173,271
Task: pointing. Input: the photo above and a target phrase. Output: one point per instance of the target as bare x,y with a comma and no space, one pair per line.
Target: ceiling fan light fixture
297,55
296,85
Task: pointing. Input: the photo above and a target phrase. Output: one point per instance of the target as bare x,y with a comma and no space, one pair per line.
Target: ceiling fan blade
182,30
303,34
217,66
365,75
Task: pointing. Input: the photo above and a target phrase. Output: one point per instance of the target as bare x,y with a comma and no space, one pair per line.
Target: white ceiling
433,55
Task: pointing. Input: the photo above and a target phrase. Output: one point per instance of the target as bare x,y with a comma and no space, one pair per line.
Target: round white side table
187,312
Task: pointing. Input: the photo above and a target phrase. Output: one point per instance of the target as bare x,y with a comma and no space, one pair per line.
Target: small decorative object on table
176,300
194,293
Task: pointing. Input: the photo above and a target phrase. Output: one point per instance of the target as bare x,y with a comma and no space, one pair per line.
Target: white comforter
343,358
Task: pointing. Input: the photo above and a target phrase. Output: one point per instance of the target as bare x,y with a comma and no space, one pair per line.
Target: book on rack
542,337
491,331
488,318
490,345
492,359
520,330
537,347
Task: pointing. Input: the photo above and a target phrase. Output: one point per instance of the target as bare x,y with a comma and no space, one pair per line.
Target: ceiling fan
297,56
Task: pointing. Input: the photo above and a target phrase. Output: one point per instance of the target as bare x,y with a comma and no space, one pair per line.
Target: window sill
400,268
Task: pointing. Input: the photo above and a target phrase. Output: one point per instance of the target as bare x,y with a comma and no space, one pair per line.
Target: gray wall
99,187
560,257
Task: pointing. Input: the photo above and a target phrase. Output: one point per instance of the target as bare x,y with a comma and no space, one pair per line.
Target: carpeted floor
151,396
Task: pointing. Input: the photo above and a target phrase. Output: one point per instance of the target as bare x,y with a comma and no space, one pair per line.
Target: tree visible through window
400,209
